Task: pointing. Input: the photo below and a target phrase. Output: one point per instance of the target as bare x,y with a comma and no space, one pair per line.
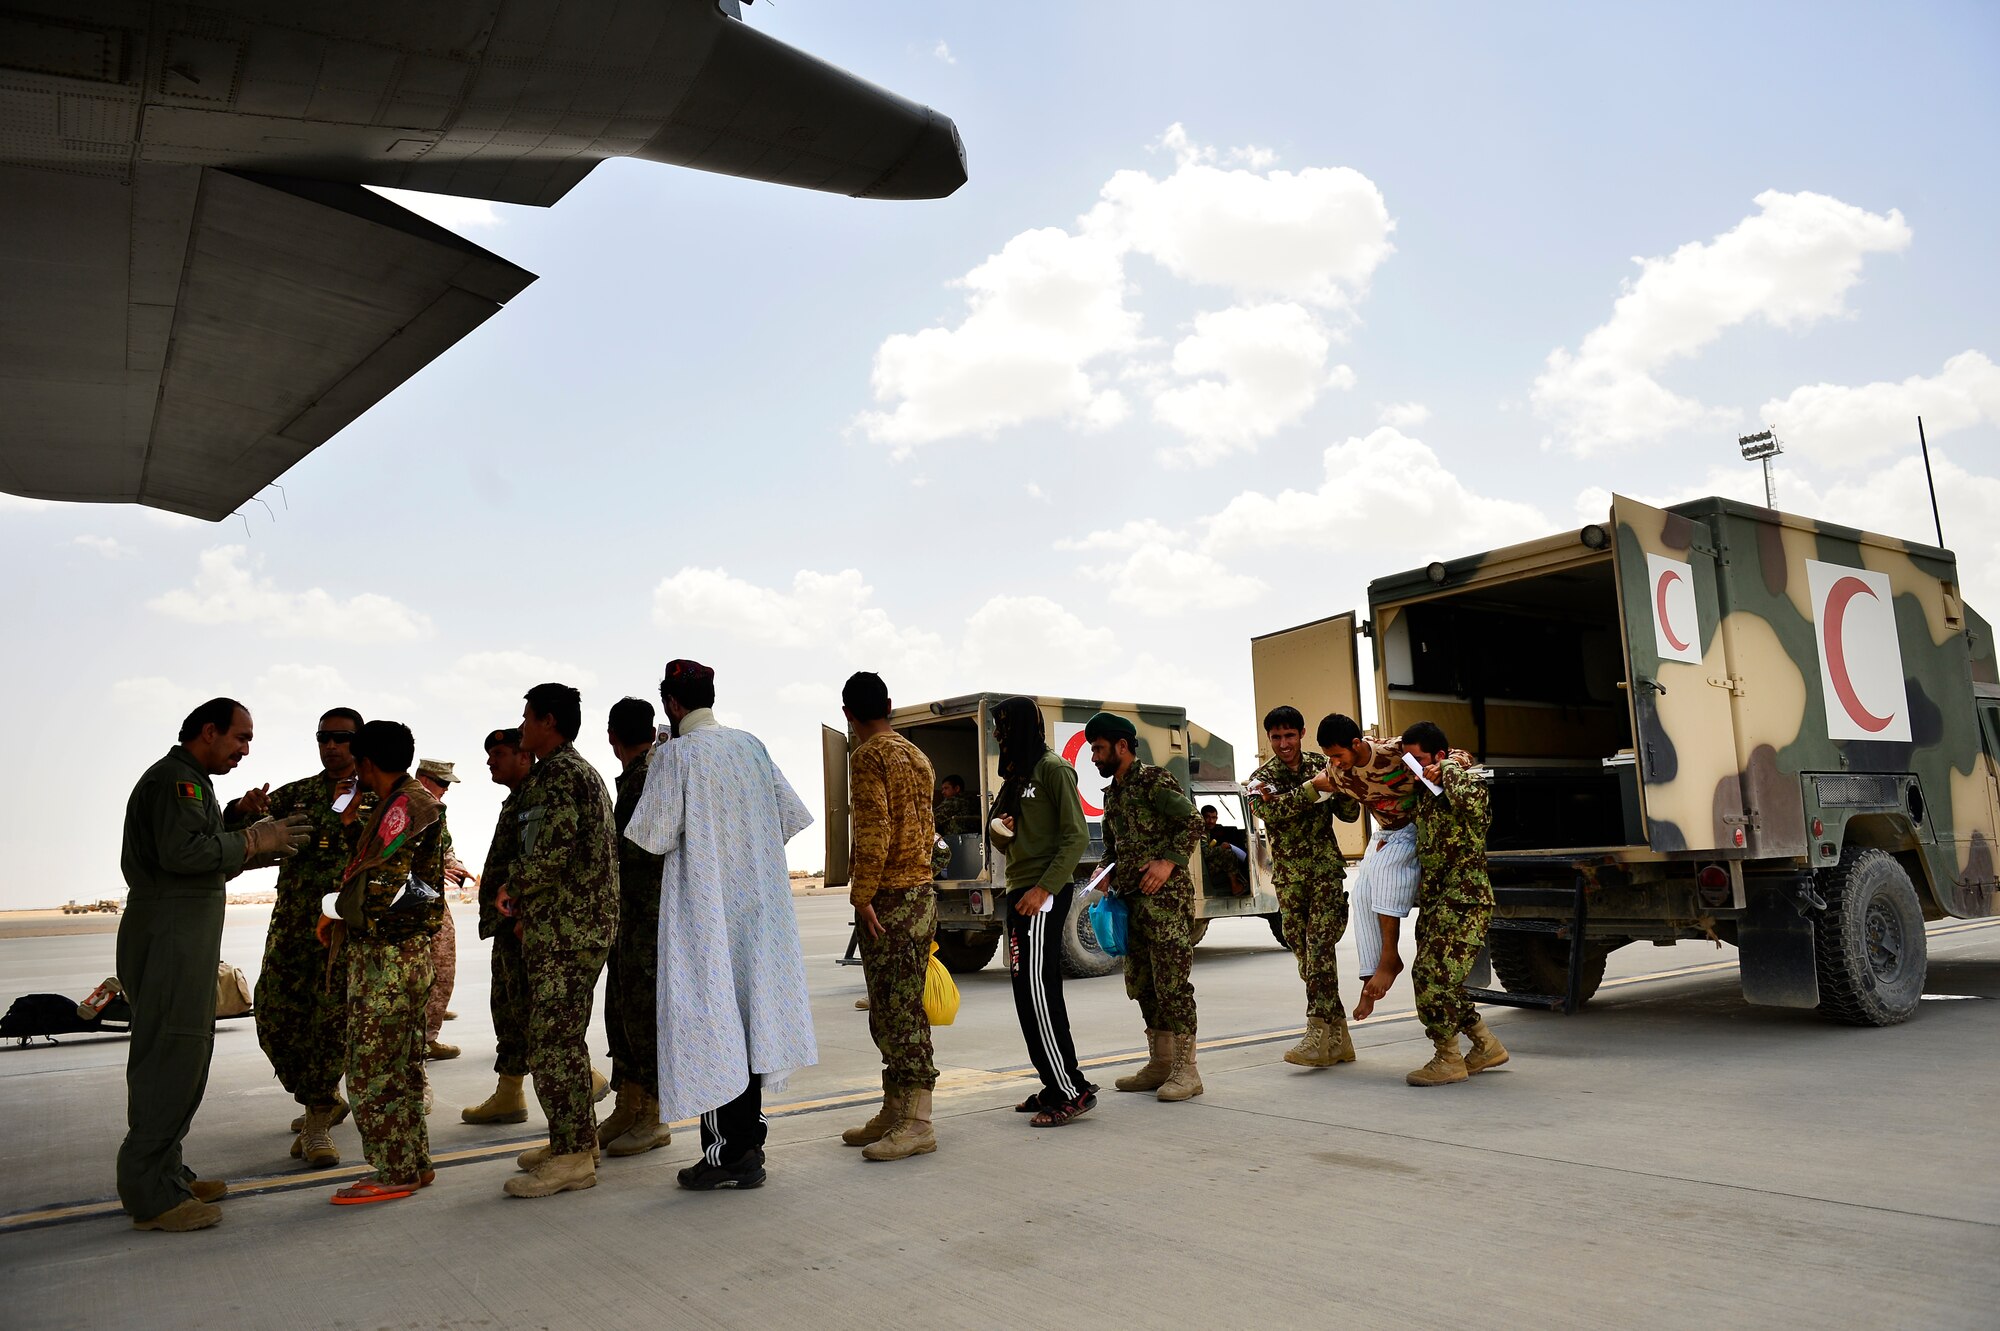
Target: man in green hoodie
1038,825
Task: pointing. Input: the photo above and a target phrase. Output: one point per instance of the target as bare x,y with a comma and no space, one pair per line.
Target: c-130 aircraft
198,289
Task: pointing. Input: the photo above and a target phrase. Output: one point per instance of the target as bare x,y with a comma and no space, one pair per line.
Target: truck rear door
833,776
1315,668
1677,680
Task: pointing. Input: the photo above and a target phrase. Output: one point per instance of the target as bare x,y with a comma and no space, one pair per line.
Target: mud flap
1776,946
1481,976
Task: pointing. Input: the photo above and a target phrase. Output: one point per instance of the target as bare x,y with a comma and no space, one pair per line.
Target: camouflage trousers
387,984
507,999
895,966
444,963
1159,958
1315,916
632,993
302,1013
561,985
1449,936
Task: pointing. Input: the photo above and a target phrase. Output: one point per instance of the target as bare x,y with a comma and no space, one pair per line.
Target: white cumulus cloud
1842,426
108,547
1158,571
229,588
1404,415
1790,264
1255,369
943,52
493,682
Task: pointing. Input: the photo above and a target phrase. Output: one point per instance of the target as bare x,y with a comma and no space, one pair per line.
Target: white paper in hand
1097,879
1410,761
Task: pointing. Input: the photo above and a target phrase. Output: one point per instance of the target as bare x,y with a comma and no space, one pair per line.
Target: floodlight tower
1762,447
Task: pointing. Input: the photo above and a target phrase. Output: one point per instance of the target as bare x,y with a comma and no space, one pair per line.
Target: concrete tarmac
1669,1157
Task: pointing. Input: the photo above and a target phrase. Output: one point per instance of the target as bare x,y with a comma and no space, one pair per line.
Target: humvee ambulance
1709,721
956,735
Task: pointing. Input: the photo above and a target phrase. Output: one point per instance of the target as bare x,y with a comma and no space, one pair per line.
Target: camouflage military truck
1710,721
957,736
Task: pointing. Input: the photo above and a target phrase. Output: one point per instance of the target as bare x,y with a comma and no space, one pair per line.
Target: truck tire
1199,931
1082,958
964,952
1869,942
1539,963
1277,923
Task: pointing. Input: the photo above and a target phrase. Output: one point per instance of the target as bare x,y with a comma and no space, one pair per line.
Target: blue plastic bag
1108,920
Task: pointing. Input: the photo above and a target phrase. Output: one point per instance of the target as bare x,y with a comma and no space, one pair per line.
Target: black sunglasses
334,736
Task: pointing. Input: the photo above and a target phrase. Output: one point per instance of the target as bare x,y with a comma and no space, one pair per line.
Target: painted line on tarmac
956,1081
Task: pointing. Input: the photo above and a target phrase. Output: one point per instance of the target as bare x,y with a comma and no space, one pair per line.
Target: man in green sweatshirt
1038,825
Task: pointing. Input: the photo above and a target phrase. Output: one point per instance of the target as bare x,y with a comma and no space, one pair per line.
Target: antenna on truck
1925,444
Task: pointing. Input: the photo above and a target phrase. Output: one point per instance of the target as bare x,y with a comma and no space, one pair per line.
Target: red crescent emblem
1842,592
1070,751
1660,607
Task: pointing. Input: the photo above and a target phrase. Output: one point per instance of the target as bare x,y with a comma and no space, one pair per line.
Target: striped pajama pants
1385,884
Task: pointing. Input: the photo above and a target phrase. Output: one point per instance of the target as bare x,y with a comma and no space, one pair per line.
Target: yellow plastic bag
940,993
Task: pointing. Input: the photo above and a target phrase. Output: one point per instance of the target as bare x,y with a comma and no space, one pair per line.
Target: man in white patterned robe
734,1015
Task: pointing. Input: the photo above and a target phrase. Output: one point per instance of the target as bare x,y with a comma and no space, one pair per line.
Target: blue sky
1315,231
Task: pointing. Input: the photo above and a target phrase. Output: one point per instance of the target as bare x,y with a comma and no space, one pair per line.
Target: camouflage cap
437,771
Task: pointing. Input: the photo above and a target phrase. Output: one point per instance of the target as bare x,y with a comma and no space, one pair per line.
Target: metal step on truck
1707,721
956,734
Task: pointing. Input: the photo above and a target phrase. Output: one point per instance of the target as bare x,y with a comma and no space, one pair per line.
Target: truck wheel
1277,923
1199,931
963,953
1869,943
1539,963
1082,958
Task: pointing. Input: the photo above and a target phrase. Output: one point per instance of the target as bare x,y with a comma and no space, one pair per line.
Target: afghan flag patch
395,824
188,790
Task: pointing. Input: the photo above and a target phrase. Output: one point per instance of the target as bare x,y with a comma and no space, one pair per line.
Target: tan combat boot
506,1105
339,1117
1445,1067
1339,1041
647,1133
1316,1050
876,1128
535,1157
912,1134
1159,1064
1487,1051
600,1086
189,1215
619,1121
315,1145
1184,1081
558,1173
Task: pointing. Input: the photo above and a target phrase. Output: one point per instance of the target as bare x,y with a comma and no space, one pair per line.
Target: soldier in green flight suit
1150,830
176,856
564,886
1454,905
387,915
301,1009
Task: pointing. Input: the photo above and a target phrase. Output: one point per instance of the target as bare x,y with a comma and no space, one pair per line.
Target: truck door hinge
1748,818
1734,683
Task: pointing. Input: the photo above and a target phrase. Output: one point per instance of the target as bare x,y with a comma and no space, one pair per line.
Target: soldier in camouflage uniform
1454,904
1150,830
389,908
895,910
301,1006
507,995
564,886
631,995
1309,873
956,812
438,778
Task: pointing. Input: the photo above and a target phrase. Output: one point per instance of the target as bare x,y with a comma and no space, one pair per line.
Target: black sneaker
704,1177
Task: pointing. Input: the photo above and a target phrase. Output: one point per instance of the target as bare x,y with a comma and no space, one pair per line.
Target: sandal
1075,1109
1031,1105
373,1190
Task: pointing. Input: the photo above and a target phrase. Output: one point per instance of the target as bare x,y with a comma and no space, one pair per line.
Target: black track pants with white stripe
1034,959
734,1130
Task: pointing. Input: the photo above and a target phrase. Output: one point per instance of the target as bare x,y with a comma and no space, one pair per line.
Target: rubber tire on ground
1082,958
1277,923
1199,931
1539,963
965,952
1868,896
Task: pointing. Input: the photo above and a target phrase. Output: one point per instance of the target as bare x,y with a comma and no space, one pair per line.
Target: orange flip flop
372,1190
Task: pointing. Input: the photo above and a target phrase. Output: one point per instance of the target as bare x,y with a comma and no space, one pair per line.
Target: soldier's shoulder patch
188,790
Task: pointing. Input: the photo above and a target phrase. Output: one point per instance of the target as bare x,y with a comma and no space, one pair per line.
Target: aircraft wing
180,340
